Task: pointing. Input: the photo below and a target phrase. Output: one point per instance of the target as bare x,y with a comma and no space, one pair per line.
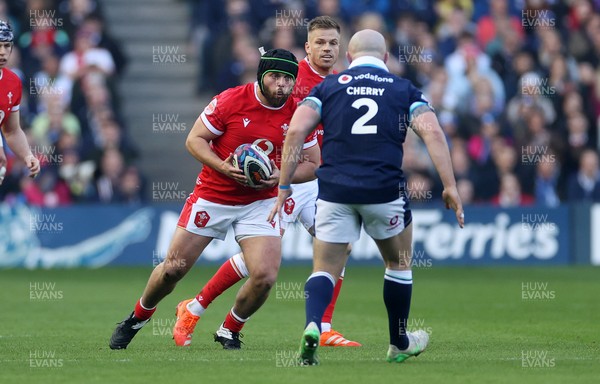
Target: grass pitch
487,325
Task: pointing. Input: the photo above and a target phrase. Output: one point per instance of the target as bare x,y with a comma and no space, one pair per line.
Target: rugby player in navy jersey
366,112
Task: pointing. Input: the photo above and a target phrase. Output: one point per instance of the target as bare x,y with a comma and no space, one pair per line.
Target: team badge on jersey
201,219
344,79
285,128
210,108
289,205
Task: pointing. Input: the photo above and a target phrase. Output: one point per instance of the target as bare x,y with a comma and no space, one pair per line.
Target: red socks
225,277
233,322
142,313
329,310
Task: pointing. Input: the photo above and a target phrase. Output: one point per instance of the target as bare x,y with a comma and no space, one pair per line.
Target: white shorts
301,205
341,223
210,219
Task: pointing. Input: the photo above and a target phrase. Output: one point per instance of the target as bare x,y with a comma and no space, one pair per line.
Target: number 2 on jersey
359,127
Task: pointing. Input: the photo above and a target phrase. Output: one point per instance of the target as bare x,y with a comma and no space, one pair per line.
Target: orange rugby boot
184,327
335,339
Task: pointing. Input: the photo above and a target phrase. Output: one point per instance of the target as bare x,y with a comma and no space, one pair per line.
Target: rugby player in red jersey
10,100
322,49
257,113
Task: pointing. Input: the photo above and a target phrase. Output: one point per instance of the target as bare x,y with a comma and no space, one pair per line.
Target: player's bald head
367,43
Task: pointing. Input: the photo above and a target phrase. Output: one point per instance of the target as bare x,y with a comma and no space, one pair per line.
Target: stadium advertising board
95,236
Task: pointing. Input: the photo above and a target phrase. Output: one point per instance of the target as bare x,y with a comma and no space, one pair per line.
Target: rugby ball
254,162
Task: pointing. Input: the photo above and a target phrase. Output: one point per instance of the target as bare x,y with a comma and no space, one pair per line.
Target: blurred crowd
70,110
515,84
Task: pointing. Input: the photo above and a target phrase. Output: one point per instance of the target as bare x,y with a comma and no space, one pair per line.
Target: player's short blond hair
323,22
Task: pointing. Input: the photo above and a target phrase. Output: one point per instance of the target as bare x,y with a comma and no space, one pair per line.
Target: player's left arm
310,161
426,126
17,141
304,121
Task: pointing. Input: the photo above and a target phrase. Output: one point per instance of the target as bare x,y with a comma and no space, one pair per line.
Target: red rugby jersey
238,117
10,94
306,80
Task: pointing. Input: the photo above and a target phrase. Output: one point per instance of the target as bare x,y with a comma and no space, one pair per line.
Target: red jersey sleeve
214,115
18,94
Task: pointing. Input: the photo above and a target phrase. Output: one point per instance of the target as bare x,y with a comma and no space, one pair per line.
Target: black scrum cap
277,60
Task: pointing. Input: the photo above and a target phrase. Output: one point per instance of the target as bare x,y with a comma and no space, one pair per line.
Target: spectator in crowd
49,81
47,190
466,191
530,95
95,105
509,59
77,174
465,66
585,184
480,144
239,27
75,12
454,21
510,194
110,135
42,37
131,189
94,26
531,131
86,57
47,126
552,48
108,178
354,9
242,65
490,27
546,181
577,132
461,163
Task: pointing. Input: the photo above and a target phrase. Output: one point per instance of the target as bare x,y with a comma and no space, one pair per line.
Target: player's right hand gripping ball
254,162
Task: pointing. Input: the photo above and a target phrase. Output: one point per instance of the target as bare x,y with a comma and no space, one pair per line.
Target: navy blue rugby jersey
365,111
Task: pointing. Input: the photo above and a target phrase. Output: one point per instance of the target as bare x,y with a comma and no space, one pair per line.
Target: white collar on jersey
311,67
369,61
1,73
